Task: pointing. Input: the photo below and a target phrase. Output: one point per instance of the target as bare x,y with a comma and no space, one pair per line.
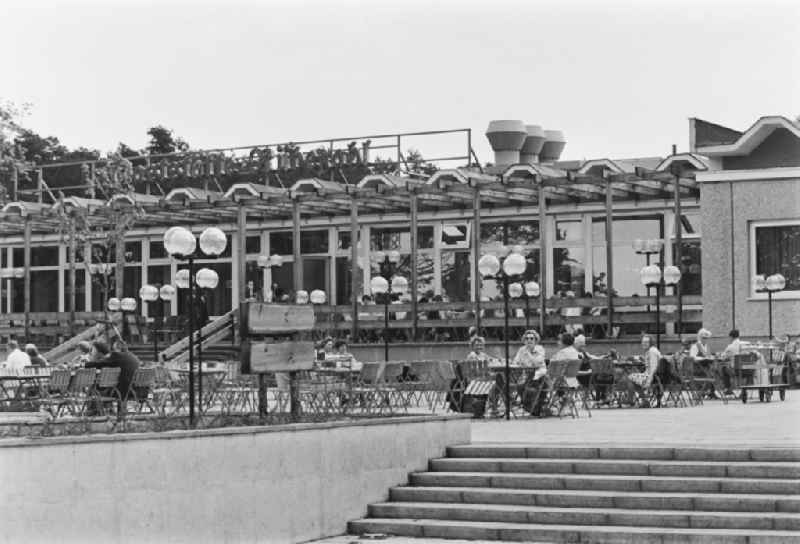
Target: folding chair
601,380
141,390
106,389
77,395
167,392
540,395
53,393
365,393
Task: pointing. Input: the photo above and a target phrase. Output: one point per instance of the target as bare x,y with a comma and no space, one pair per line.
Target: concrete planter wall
289,483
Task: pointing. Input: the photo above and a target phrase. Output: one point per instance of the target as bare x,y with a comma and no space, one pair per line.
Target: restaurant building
725,211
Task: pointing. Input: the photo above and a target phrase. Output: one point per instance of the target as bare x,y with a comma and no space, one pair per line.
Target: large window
775,248
399,238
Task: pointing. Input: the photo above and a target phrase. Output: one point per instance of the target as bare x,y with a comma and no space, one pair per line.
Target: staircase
598,495
213,333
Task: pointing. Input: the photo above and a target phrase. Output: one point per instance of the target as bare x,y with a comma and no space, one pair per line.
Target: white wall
287,483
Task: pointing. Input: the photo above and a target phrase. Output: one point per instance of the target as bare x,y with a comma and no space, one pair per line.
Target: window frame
751,234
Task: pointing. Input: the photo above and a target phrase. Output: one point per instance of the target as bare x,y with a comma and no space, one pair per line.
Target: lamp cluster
9,273
648,247
771,283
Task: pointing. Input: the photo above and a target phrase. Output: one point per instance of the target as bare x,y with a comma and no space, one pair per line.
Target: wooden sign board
261,318
259,357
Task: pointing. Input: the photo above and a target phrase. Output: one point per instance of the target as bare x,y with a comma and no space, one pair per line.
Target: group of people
335,353
17,359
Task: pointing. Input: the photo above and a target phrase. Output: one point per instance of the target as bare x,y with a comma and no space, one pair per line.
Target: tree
126,151
163,141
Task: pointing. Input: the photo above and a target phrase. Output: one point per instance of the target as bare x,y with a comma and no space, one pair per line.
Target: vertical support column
39,185
71,254
27,288
354,268
543,249
476,255
678,256
414,278
14,183
298,264
609,251
241,254
119,269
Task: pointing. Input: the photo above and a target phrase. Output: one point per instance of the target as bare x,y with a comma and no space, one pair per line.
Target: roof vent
553,146
533,145
506,138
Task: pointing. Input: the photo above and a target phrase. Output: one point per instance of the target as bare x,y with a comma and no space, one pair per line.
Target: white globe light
672,275
206,278
517,249
127,304
488,265
262,261
515,290
776,282
514,264
650,275
148,293
19,273
655,245
182,278
213,241
317,296
638,245
91,268
394,256
378,285
7,273
275,260
167,292
179,241
379,256
104,268
399,285
301,297
760,282
532,289
114,304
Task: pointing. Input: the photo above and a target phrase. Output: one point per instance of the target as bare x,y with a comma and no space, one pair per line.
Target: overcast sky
620,80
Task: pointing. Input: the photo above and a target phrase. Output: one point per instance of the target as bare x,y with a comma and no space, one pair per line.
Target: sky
620,79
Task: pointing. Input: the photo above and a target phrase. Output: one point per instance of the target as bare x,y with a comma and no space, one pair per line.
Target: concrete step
587,516
633,452
744,469
596,482
713,502
522,532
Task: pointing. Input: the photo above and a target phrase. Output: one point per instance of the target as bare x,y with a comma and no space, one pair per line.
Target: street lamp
769,285
152,293
514,265
381,286
651,276
180,243
206,278
264,262
648,247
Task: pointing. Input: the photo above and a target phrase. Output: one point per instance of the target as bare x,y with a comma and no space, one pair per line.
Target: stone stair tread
526,508
580,460
570,476
502,527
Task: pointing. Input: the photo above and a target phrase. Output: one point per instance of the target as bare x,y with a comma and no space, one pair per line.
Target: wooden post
678,256
414,278
14,183
39,185
609,252
241,261
354,267
543,249
476,255
119,270
27,288
294,392
71,254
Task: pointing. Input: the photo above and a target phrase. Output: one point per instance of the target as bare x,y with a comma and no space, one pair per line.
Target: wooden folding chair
106,389
141,390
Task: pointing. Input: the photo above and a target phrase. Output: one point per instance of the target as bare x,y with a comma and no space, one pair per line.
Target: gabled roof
751,138
705,133
193,193
698,162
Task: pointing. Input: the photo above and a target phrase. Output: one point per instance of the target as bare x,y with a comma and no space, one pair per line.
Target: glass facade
777,250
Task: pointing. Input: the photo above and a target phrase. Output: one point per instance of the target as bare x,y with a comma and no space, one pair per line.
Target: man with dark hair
733,349
121,358
568,351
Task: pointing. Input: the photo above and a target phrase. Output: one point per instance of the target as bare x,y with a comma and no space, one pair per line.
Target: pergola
597,181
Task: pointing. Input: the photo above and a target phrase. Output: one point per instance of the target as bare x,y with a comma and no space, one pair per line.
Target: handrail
212,329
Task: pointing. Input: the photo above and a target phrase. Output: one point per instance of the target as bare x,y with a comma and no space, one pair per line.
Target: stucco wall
281,484
752,201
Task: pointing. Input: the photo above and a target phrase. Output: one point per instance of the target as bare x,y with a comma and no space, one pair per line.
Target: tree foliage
162,141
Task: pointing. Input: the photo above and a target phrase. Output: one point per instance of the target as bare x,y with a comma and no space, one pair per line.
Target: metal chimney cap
555,136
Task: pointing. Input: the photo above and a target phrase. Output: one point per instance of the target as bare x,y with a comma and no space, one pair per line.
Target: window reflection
456,273
569,271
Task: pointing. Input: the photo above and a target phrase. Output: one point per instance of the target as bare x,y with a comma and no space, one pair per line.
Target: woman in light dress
651,357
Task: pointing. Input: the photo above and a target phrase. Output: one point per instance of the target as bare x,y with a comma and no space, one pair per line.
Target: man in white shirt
735,347
568,352
16,358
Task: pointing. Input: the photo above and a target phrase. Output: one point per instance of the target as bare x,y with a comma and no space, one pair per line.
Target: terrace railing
46,328
217,330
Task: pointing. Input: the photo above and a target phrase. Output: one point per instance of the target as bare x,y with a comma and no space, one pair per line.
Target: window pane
455,235
80,290
282,281
627,229
43,256
424,272
280,243
456,274
778,251
133,252
509,233
157,250
344,287
3,258
691,278
18,256
569,271
132,282
569,231
254,281
252,244
399,238
627,269
343,240
44,291
314,241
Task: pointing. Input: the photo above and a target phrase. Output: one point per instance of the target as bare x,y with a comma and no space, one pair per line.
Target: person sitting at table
478,350
345,359
531,354
567,351
700,349
325,349
121,358
36,358
651,358
16,359
84,356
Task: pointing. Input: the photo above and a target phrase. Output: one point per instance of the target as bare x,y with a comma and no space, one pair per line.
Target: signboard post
270,344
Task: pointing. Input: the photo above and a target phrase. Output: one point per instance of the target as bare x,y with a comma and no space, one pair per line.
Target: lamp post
651,276
264,262
125,306
152,293
513,266
206,278
381,286
769,285
180,243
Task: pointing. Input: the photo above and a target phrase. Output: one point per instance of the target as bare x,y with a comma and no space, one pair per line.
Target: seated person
700,349
567,351
531,354
120,358
36,358
478,353
651,358
16,359
325,350
344,359
83,356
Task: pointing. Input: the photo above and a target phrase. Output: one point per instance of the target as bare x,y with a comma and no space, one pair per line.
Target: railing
46,328
215,331
67,350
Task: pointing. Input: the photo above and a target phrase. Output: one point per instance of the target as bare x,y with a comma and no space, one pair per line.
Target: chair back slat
371,373
109,377
59,380
393,372
144,377
602,367
82,380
